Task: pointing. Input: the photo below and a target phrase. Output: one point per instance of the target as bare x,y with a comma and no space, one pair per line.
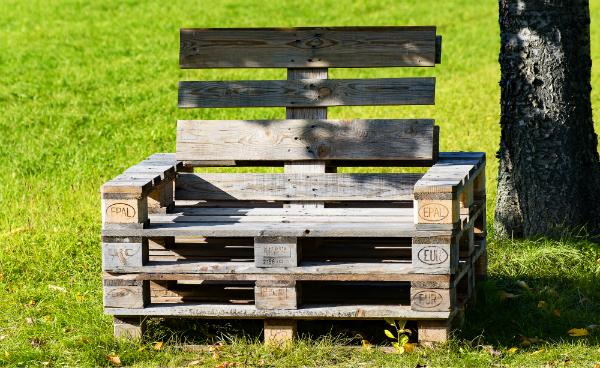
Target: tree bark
549,173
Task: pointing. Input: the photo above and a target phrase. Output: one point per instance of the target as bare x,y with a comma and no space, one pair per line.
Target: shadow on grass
514,311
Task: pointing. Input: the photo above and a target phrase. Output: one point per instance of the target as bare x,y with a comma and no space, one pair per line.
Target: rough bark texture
549,174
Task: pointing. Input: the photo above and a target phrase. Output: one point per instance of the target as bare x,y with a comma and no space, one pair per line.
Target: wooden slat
308,92
293,140
336,47
305,312
299,229
283,187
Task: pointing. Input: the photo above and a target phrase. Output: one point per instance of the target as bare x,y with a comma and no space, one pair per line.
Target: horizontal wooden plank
308,92
299,139
335,47
451,173
297,229
284,187
265,211
305,312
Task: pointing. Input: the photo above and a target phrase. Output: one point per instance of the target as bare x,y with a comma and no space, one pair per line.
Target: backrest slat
308,92
292,140
336,47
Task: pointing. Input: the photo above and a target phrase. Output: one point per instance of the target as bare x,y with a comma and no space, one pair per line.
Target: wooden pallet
307,243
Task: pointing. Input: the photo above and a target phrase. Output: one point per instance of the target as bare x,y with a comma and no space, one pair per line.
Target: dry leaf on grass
556,312
542,304
409,347
57,288
512,350
114,360
193,363
578,332
503,295
158,345
523,284
366,344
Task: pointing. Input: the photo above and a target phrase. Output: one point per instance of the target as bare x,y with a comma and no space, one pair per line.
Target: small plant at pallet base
401,335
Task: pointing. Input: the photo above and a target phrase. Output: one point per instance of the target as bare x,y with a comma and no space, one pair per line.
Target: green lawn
89,88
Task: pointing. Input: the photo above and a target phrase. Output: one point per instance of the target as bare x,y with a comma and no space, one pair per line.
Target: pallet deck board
304,312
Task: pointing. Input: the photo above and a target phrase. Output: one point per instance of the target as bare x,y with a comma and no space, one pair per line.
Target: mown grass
89,88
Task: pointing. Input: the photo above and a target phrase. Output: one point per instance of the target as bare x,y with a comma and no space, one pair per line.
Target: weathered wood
279,332
435,255
277,295
296,229
305,186
132,212
275,251
306,167
334,47
162,198
118,255
130,328
297,139
126,293
305,312
432,299
433,332
307,92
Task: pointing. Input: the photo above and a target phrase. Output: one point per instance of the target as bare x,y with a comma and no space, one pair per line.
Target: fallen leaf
1,276
366,344
493,352
14,231
522,284
194,362
114,360
556,312
57,288
538,351
29,320
409,348
512,350
158,345
542,304
216,355
2,337
578,332
503,295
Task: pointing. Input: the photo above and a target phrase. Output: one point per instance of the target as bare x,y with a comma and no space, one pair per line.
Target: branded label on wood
116,256
125,211
435,258
276,297
275,252
436,211
127,296
431,299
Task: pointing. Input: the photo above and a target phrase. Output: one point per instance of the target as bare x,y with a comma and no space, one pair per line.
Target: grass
89,88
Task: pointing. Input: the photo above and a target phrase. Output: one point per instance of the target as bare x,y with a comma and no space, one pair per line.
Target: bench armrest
448,189
144,188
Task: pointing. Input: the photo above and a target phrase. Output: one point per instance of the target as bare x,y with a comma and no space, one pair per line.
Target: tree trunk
549,174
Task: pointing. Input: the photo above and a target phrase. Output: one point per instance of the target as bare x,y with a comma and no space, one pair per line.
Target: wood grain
283,187
293,140
307,92
339,47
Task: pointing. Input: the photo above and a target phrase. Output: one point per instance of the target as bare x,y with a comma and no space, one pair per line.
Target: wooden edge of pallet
305,312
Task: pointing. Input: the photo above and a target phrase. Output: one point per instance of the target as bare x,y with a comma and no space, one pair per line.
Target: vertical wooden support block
126,212
120,254
126,293
433,332
131,328
435,255
161,199
280,331
275,251
480,266
312,166
466,196
432,298
276,294
440,211
467,242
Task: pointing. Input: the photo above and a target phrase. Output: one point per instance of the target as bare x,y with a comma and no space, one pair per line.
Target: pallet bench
308,243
